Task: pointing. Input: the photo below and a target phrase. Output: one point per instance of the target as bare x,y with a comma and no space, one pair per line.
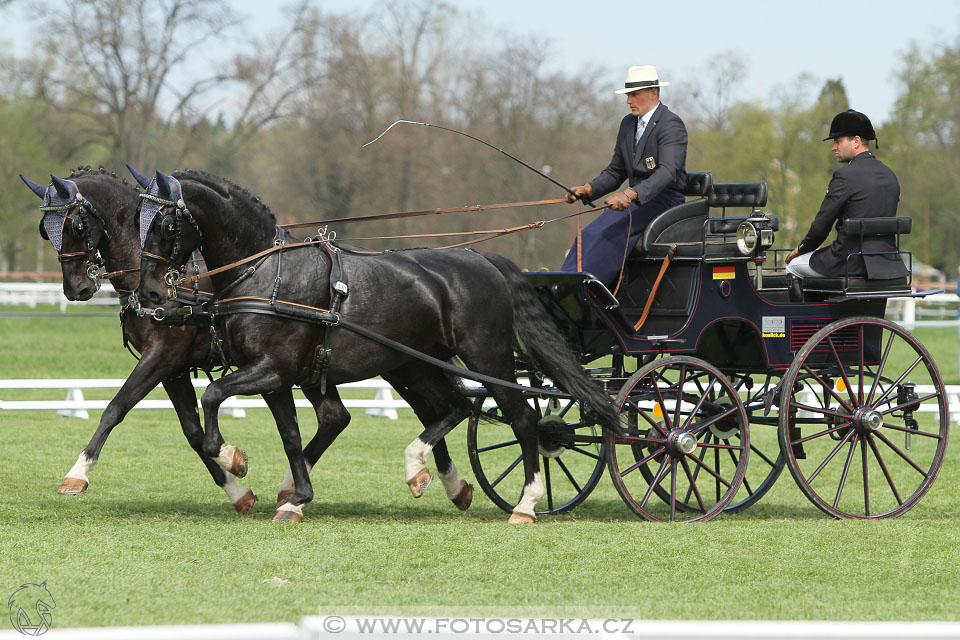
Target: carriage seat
683,225
857,283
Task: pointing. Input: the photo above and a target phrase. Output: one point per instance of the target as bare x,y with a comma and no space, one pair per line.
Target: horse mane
87,170
228,189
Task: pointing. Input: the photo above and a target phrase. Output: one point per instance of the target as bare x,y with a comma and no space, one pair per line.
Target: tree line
287,117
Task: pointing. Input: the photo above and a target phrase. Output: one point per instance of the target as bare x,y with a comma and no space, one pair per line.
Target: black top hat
851,123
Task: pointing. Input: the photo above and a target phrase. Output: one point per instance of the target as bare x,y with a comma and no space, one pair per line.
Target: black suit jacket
863,188
656,163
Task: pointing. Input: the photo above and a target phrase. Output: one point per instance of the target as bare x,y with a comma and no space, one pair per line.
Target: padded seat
682,225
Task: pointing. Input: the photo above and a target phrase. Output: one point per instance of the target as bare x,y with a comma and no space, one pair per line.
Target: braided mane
228,189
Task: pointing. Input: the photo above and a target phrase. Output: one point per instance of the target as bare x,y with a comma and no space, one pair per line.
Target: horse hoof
283,497
521,518
72,486
465,497
419,483
238,466
245,504
287,516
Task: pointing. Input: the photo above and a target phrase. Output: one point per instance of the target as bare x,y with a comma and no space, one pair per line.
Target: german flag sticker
724,273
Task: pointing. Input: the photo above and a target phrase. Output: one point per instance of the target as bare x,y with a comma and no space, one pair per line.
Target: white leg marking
233,490
287,483
532,493
83,466
415,458
225,459
291,507
452,483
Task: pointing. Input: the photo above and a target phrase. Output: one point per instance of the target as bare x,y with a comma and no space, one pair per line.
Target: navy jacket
863,188
655,164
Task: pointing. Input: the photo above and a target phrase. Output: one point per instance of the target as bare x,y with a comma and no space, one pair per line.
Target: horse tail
542,341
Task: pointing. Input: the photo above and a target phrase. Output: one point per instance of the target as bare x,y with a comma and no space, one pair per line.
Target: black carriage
716,357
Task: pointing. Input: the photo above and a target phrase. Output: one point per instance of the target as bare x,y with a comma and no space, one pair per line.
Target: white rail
76,406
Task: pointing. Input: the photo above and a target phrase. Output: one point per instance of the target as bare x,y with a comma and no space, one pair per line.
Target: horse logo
30,607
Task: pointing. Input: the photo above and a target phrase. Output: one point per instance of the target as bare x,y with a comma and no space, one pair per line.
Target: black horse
441,303
91,220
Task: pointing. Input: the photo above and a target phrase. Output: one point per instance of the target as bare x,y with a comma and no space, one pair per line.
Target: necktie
640,125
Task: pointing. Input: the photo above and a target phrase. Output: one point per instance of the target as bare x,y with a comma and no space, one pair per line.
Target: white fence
76,406
33,293
382,404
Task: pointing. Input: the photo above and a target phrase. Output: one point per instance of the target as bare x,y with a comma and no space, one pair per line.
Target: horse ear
141,179
163,185
62,189
37,189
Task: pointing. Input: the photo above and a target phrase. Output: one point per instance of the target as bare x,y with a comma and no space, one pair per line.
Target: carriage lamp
754,235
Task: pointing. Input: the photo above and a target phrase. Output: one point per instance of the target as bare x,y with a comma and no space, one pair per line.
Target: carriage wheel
571,456
669,410
766,461
863,419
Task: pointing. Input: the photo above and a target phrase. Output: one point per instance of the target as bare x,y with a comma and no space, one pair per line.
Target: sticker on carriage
773,326
724,273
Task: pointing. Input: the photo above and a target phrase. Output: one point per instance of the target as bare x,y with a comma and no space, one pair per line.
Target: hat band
642,83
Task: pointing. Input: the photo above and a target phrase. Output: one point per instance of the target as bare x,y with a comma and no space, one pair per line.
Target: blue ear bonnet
158,197
55,207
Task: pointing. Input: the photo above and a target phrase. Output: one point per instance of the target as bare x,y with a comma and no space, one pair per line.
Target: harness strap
656,285
306,313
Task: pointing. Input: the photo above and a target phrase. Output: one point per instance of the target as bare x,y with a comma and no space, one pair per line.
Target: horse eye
43,231
78,227
168,227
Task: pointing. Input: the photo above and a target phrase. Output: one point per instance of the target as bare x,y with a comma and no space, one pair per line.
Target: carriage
715,356
717,359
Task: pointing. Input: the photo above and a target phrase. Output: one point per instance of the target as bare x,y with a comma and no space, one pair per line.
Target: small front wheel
668,465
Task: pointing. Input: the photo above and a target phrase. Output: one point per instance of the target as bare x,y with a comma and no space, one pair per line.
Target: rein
425,212
490,234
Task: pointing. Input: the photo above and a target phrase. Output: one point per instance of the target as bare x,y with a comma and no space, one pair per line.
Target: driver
650,154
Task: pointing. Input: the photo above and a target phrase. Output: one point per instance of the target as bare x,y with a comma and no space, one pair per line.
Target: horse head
168,236
76,230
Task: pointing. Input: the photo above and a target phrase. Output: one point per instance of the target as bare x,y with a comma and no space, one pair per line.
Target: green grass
154,541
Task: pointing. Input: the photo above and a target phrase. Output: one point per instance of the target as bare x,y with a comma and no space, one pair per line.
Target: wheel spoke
493,447
566,472
693,484
656,480
841,427
589,454
762,455
912,432
700,426
640,463
823,464
843,372
900,453
503,475
883,467
546,477
827,387
880,367
866,479
846,470
707,468
673,489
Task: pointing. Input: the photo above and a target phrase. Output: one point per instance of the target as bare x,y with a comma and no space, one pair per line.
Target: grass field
154,541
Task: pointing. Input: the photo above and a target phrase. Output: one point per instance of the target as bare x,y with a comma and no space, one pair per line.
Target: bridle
82,228
171,228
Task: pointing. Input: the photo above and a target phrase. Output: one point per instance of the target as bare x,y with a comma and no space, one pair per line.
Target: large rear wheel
863,419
